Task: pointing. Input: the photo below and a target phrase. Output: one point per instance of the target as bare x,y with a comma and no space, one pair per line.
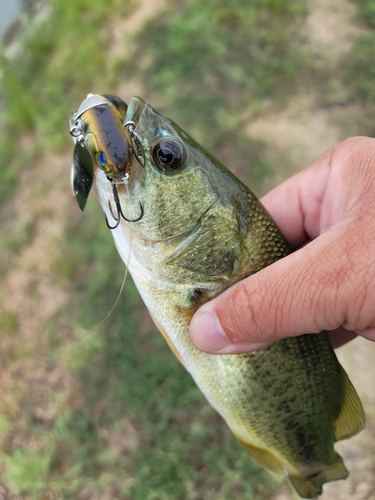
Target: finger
295,205
318,197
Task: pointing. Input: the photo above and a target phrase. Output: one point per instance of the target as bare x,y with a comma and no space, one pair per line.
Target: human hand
326,212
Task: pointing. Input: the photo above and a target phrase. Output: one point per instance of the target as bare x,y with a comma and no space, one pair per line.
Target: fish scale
200,230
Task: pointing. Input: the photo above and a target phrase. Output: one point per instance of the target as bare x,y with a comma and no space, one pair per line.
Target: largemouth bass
187,229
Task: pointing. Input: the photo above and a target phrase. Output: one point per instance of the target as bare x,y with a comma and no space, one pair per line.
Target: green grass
124,420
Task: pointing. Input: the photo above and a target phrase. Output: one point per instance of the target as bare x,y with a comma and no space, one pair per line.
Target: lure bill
195,229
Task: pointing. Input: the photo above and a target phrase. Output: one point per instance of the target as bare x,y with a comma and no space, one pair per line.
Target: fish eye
101,159
168,154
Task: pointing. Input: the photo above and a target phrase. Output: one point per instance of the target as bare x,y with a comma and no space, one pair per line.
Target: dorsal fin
352,417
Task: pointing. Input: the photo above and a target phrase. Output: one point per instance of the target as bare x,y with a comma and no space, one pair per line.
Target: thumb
306,292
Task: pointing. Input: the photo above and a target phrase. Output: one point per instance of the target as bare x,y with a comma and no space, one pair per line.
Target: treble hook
120,213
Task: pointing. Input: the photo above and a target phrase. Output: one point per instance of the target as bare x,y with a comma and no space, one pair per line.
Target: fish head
166,199
171,176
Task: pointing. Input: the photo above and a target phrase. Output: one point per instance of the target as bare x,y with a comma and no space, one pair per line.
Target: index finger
295,205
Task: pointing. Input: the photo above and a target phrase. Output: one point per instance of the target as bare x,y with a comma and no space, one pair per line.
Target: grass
113,414
62,56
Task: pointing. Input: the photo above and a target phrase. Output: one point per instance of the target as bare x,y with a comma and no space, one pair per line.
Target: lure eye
168,154
102,159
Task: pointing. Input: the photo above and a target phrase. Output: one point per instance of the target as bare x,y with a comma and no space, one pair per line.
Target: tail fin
311,487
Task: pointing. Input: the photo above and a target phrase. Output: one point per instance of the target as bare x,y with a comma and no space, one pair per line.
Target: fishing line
95,327
127,261
127,194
